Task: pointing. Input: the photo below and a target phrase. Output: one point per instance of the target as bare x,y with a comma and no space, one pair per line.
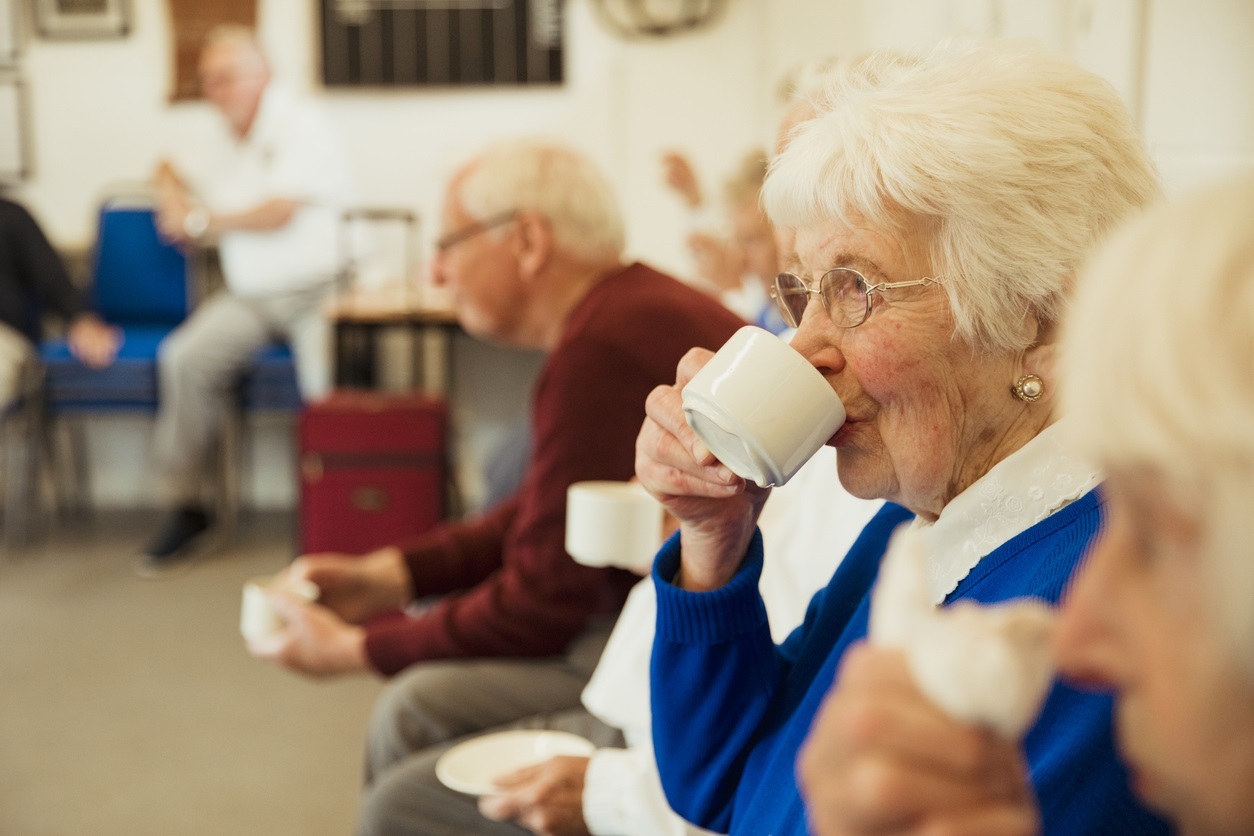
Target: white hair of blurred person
794,94
1163,320
800,93
1015,162
556,182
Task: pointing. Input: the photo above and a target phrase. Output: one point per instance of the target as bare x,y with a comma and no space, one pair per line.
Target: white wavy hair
1158,373
1012,161
557,182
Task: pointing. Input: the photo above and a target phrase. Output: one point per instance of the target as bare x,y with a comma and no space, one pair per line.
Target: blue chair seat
130,384
270,382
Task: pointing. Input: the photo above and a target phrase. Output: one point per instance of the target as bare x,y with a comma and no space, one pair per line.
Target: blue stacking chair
140,284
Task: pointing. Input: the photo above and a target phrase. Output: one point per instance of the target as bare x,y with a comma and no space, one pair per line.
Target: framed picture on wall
82,18
15,162
9,43
441,43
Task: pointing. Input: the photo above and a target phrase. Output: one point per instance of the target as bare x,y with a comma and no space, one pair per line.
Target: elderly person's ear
535,243
1034,376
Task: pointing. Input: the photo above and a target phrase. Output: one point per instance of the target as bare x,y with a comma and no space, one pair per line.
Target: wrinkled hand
716,509
356,588
681,178
166,177
170,217
314,641
546,798
172,203
93,341
881,758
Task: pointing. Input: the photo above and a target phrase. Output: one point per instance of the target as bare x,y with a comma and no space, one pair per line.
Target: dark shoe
176,546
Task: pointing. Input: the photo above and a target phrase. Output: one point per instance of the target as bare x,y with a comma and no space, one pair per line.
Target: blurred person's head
527,226
797,101
1158,364
234,74
752,235
939,205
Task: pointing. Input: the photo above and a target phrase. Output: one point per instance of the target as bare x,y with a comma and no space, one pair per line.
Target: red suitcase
373,469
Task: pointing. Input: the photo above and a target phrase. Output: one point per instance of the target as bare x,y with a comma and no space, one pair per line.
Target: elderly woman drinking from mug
940,205
1159,389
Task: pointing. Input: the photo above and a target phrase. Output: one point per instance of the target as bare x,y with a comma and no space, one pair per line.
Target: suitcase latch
311,467
368,499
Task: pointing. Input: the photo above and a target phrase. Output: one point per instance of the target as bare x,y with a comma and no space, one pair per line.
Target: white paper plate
473,766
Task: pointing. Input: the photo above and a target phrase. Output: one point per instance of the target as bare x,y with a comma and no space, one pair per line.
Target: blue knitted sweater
731,709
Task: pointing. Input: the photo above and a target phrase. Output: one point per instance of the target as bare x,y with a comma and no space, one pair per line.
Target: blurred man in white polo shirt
271,198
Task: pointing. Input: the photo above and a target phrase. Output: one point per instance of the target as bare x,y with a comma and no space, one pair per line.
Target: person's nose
1085,646
817,339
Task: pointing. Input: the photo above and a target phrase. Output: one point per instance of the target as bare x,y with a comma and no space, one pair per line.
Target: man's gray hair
1012,161
1158,374
554,181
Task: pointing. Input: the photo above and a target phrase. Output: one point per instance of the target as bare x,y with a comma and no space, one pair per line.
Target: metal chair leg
71,470
23,491
228,478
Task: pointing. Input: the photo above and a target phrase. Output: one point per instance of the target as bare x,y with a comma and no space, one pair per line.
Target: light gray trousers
433,706
201,361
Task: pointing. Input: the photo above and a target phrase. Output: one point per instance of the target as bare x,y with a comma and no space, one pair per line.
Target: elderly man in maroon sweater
532,254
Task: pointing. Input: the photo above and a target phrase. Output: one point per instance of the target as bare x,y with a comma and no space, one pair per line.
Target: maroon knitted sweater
509,587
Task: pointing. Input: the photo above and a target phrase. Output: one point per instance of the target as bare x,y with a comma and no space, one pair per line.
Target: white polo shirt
290,152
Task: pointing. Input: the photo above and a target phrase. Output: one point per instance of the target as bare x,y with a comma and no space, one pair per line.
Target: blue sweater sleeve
716,678
712,677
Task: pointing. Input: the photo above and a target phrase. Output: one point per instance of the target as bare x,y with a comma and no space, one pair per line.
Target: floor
129,706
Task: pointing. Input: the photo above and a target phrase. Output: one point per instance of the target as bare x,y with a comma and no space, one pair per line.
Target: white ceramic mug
612,524
258,620
761,408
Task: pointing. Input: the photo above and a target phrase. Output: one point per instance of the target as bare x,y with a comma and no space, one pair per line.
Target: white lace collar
1021,490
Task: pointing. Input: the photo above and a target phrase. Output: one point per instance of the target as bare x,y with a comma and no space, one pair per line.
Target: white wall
100,117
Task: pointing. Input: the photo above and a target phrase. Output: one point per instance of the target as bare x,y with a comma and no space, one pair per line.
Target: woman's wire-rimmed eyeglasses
845,292
470,230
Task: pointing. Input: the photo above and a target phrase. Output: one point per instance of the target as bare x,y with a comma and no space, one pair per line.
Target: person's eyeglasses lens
845,296
843,291
792,297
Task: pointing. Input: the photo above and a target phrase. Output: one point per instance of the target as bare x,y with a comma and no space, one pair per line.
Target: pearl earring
1028,388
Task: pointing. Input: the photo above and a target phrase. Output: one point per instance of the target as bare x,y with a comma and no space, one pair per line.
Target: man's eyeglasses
845,292
470,230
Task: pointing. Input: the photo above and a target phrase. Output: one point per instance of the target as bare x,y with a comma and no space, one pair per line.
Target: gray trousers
201,361
433,706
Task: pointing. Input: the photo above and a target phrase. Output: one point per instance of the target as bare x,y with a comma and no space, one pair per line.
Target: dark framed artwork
10,45
82,18
441,43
